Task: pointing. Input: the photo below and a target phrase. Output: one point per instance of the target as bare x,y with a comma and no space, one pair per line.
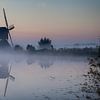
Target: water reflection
44,61
30,60
60,82
5,71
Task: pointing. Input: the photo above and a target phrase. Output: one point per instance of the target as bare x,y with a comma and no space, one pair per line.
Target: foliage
92,78
45,43
18,48
99,51
30,48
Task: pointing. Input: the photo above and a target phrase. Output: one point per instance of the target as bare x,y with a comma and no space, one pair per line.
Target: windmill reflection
5,71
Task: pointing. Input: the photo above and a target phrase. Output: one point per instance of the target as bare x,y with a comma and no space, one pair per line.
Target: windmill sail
11,39
11,27
7,82
5,18
8,27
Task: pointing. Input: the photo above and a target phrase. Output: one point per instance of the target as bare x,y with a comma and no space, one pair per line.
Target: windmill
5,33
5,71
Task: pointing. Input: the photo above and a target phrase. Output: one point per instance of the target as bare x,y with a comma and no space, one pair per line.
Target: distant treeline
61,51
45,47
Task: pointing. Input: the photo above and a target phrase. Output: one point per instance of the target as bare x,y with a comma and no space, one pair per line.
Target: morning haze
62,20
49,49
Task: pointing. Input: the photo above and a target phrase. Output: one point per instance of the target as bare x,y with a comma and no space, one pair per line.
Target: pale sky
60,20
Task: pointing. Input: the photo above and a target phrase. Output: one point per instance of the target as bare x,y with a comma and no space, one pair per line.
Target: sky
63,21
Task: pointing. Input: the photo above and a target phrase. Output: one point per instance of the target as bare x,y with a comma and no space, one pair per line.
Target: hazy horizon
63,21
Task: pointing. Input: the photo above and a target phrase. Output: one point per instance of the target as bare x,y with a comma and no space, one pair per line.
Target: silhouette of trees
45,43
99,51
92,78
30,48
18,48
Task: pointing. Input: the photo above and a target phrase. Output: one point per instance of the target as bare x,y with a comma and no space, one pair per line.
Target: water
42,77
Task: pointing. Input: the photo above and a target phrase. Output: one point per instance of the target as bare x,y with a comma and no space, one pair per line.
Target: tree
18,48
45,43
99,51
30,48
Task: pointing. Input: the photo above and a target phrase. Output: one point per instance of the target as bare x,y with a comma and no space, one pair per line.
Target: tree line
45,45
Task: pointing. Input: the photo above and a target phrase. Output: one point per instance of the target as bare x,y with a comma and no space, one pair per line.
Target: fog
13,56
26,76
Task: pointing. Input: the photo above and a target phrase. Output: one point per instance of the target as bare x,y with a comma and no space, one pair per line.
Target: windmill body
5,34
4,38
